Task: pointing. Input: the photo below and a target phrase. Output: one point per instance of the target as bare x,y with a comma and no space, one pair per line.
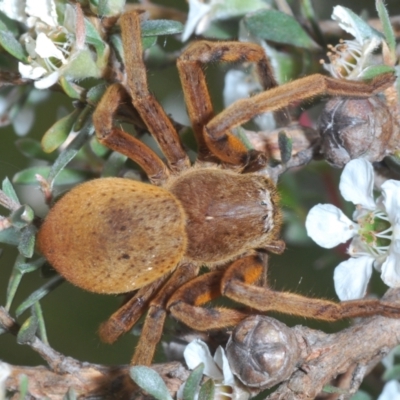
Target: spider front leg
282,96
190,64
151,112
235,284
120,141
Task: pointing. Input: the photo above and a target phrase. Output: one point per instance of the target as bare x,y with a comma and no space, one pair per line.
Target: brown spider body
117,235
207,216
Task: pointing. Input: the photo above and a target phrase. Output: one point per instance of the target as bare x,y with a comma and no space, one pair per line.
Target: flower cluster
375,230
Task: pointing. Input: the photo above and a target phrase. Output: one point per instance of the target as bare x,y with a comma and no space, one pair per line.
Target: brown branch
324,357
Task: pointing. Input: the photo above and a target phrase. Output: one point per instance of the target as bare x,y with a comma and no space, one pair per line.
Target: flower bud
355,128
262,351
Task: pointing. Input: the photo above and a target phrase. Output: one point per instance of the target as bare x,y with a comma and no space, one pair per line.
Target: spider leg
279,97
185,304
236,284
158,123
128,314
190,64
118,140
154,322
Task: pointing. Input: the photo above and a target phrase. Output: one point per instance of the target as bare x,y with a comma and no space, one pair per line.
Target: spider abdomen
227,213
114,235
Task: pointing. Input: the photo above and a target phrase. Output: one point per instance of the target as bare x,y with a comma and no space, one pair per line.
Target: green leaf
8,189
278,27
37,312
11,44
150,381
14,281
65,177
32,148
387,26
39,294
361,395
71,89
93,37
27,332
22,216
192,383
95,93
26,246
10,236
70,395
148,42
114,164
56,135
392,373
207,390
23,386
160,27
375,70
285,146
68,154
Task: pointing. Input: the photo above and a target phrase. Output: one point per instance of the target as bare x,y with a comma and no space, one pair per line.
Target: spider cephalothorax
117,235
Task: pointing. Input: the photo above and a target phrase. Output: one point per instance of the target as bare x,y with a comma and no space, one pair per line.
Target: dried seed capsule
355,128
262,351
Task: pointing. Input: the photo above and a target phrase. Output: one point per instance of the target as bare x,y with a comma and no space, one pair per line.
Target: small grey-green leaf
14,281
8,189
95,93
26,246
93,37
55,136
66,176
392,373
375,70
26,267
27,331
39,294
285,146
11,44
68,154
386,25
37,312
114,164
23,386
150,381
361,395
207,390
10,236
278,27
160,27
70,395
31,148
148,42
70,88
192,383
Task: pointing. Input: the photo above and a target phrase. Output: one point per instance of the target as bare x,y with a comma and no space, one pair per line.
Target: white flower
375,230
203,12
217,368
5,372
350,59
391,391
55,48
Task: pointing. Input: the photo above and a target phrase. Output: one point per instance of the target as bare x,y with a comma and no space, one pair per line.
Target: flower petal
197,10
328,226
391,199
223,364
357,183
44,10
391,391
47,81
30,72
351,277
391,267
45,48
197,352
